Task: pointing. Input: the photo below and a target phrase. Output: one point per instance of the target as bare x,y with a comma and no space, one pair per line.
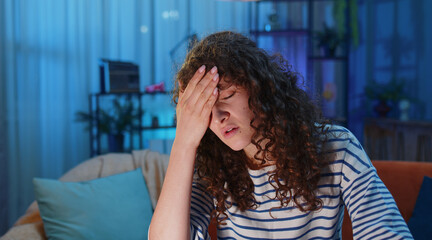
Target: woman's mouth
230,132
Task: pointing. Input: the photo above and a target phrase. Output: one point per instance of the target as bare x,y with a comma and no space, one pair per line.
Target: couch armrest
28,226
33,231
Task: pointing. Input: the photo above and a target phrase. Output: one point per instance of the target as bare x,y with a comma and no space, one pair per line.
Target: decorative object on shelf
329,96
155,122
116,142
159,87
386,95
328,40
118,77
273,22
382,108
404,106
115,122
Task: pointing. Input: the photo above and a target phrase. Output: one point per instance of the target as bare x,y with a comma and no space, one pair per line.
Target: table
392,139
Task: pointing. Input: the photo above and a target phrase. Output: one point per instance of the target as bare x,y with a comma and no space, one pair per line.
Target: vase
327,51
382,109
404,106
116,142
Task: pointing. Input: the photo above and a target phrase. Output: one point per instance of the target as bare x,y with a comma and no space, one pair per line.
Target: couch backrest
403,179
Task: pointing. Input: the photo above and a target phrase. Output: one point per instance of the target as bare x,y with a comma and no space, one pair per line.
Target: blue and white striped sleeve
371,207
200,212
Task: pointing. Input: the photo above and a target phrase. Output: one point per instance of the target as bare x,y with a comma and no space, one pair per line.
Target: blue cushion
114,207
421,219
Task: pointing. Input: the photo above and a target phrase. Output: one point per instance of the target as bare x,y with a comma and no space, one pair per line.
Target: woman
252,151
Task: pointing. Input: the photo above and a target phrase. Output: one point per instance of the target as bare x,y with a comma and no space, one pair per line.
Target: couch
153,166
403,179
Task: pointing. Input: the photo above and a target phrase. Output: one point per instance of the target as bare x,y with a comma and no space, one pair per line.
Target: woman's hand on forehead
195,105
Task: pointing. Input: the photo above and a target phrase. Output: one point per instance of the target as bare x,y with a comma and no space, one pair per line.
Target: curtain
425,71
49,66
3,162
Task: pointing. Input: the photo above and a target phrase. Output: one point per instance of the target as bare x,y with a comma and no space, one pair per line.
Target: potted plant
114,122
385,95
328,40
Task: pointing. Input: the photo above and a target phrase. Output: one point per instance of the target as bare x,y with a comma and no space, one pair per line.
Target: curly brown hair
290,126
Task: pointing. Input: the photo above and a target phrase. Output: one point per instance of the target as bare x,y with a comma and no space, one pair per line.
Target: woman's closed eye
229,96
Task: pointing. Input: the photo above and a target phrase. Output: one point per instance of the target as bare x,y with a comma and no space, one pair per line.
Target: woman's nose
219,115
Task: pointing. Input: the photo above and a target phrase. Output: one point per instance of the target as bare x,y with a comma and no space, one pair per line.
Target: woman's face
231,118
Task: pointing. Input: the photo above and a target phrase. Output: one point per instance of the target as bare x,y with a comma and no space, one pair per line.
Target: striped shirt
349,181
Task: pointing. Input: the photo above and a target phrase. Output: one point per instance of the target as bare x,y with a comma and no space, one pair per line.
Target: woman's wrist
185,141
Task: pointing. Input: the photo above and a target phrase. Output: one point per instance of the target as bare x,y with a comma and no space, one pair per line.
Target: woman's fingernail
213,70
201,69
216,77
215,91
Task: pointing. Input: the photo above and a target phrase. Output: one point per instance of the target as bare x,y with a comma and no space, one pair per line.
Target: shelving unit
96,103
325,76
